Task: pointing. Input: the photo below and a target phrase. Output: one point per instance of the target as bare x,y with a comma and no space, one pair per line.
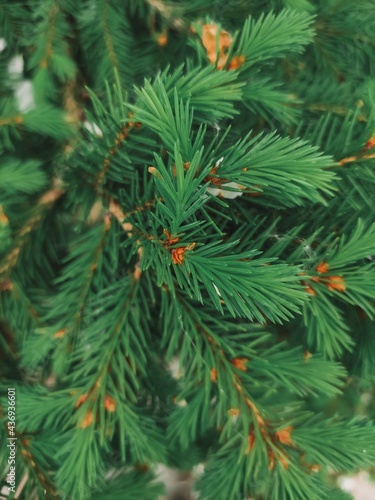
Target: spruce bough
190,181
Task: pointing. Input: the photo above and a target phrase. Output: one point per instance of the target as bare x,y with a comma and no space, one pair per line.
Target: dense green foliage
189,180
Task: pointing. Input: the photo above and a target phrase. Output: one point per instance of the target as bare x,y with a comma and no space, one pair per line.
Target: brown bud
250,442
336,283
307,355
87,421
322,268
109,403
60,333
213,375
82,398
284,435
315,467
178,254
369,144
240,363
236,62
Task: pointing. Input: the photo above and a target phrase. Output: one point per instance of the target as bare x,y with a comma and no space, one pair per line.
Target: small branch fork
275,441
272,439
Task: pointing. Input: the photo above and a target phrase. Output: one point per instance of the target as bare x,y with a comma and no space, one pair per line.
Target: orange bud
209,40
369,144
310,290
87,421
307,355
233,412
109,403
322,268
153,171
315,467
284,435
336,283
170,240
240,363
60,333
250,441
162,40
236,62
213,375
81,400
178,254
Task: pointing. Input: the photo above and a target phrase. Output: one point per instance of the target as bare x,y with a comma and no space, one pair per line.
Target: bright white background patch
230,195
23,92
221,191
15,66
93,128
3,44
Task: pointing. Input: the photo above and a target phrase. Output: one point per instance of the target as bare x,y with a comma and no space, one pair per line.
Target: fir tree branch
37,471
116,211
13,120
108,36
44,203
120,137
90,274
354,159
227,367
52,15
339,110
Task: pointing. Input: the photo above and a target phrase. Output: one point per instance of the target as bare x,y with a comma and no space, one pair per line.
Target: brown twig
116,211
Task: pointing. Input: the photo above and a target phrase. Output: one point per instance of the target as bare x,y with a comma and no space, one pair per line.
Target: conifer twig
116,211
30,461
51,28
352,159
46,200
120,137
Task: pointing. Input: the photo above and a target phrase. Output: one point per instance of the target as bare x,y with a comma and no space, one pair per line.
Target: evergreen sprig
189,189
